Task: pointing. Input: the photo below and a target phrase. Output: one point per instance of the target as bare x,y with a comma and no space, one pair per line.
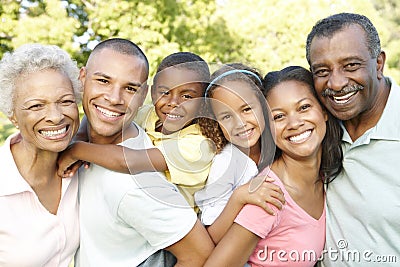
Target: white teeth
300,137
173,116
343,99
245,133
54,133
108,113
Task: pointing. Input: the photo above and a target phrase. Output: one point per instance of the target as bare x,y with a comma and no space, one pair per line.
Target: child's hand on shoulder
67,164
262,192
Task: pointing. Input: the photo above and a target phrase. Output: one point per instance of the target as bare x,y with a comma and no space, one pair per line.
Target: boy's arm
113,157
194,248
265,195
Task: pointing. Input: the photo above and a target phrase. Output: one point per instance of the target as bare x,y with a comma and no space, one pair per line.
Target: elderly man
363,219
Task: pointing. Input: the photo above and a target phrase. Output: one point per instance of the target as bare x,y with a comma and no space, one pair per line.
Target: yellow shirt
187,152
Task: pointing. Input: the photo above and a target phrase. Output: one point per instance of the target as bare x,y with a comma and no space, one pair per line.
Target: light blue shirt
363,202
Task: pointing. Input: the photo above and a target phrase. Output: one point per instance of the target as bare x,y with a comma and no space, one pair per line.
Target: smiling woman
39,88
307,155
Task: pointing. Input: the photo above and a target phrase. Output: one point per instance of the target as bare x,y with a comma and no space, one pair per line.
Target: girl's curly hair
209,125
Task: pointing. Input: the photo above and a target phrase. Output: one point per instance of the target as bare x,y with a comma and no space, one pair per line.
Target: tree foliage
267,34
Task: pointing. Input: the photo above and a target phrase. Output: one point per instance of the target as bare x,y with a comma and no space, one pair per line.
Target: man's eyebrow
318,65
99,73
138,84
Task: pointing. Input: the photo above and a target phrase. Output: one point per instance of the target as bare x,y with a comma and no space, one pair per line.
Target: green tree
389,10
273,32
37,21
267,34
9,14
160,27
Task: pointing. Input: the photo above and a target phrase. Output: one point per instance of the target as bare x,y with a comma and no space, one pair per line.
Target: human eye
247,109
67,102
132,88
36,106
352,66
321,72
304,107
224,117
163,92
102,80
278,116
187,96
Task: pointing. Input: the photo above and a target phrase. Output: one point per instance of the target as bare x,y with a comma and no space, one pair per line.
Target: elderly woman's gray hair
32,58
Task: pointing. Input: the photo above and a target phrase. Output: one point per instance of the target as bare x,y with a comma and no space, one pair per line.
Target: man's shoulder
394,87
140,141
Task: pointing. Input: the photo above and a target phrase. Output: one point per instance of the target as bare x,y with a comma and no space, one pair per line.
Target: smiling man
347,63
126,218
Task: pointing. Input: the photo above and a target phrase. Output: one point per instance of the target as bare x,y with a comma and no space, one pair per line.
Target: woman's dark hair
211,128
331,161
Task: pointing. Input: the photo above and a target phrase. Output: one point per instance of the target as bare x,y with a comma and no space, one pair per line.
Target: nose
173,101
55,114
114,96
295,121
337,80
240,121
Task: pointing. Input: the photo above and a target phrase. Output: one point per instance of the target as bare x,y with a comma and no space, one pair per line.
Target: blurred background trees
268,34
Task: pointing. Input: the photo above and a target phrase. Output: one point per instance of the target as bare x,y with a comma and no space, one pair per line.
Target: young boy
181,151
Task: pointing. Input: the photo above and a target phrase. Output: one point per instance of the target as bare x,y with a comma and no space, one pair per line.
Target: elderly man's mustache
345,90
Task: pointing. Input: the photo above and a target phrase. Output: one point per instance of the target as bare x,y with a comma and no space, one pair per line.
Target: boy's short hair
188,61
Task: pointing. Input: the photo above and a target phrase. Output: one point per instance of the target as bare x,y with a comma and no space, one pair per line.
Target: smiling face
343,65
45,110
239,114
300,122
113,91
177,98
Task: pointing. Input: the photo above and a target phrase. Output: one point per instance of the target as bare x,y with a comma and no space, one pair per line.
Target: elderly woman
39,211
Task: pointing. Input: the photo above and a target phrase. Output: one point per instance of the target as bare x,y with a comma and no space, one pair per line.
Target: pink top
29,234
290,238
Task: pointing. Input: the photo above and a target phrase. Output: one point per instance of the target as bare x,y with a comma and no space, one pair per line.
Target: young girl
181,151
308,153
238,124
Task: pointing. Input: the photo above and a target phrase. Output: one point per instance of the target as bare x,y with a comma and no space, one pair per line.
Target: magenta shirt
290,238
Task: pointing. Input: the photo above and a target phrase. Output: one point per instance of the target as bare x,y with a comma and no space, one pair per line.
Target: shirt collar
11,181
388,126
